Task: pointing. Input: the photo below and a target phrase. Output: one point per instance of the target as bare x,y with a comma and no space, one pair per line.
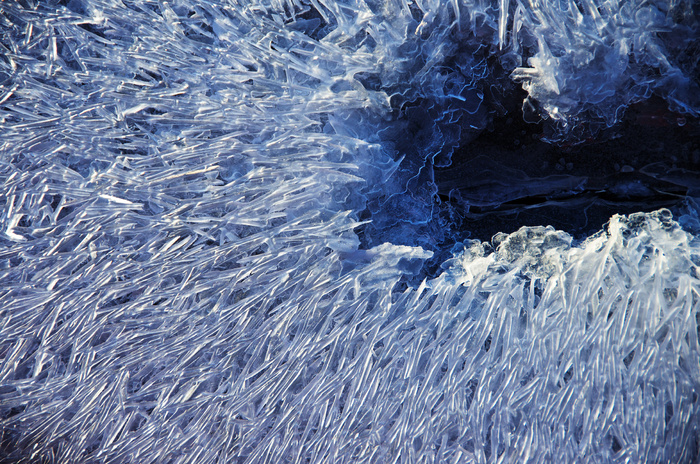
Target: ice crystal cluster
215,216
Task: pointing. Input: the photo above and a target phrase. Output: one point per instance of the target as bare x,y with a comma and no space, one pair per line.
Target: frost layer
182,278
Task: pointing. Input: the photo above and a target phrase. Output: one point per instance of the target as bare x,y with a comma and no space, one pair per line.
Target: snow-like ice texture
185,276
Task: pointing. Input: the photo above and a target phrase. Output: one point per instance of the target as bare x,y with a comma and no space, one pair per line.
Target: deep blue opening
508,177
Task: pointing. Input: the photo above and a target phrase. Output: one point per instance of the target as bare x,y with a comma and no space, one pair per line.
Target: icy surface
592,58
187,275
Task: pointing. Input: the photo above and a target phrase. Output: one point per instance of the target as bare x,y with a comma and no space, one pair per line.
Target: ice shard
226,233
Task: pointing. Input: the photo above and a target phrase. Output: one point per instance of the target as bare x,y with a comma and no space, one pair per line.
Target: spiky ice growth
181,278
592,58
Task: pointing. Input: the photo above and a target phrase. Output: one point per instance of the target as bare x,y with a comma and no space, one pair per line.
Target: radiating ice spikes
185,273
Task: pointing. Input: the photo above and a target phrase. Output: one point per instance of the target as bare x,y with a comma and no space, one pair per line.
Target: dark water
508,178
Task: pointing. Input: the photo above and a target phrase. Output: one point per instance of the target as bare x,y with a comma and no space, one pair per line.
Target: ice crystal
214,219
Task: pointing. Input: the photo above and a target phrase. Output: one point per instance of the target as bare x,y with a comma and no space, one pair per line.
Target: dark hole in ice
668,412
487,343
508,177
628,359
92,29
616,446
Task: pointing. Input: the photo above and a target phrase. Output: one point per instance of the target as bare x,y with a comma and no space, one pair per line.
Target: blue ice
215,219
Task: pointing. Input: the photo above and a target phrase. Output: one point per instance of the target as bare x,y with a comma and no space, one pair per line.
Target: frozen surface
188,274
592,58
